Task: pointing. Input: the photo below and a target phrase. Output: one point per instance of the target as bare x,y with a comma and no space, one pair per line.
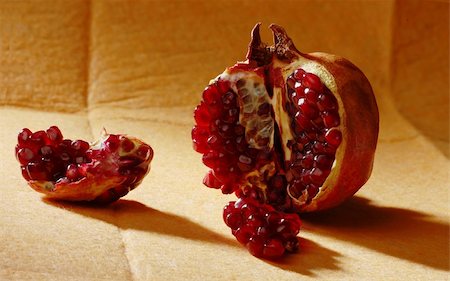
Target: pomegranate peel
100,172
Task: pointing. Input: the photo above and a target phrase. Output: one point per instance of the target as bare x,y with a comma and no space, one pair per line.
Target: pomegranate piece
296,131
101,172
266,232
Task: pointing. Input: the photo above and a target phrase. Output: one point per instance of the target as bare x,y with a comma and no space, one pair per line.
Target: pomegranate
77,171
293,130
266,232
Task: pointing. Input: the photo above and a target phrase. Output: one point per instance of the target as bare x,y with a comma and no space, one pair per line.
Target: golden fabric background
139,67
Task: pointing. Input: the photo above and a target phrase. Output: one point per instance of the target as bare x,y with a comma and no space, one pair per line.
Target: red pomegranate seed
126,144
54,134
311,96
23,136
323,161
40,138
308,109
330,119
24,155
303,121
80,146
273,249
199,137
317,176
201,115
46,150
313,82
72,172
327,102
299,74
37,171
211,181
113,143
211,94
333,137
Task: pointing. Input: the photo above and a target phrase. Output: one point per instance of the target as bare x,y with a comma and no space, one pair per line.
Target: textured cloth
139,67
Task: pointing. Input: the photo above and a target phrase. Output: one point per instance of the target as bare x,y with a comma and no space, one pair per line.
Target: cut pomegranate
296,131
77,171
265,232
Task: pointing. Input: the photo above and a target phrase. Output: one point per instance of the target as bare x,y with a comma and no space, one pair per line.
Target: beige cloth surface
139,68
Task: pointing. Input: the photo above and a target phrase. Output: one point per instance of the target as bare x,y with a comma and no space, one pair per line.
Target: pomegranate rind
86,189
358,112
360,126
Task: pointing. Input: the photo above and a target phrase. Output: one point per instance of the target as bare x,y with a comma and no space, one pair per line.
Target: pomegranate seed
256,247
299,74
211,181
299,92
330,119
199,137
327,102
317,176
126,144
313,82
211,94
72,172
64,156
201,115
333,137
311,96
243,234
303,121
312,191
37,171
112,143
24,155
214,142
24,135
229,99
323,161
40,138
309,110
46,150
307,161
54,134
273,249
80,146
290,82
233,220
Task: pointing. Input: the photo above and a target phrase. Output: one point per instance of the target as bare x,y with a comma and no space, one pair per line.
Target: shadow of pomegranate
128,214
310,257
401,233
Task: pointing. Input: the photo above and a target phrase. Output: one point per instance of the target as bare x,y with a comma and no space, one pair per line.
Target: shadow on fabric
128,214
310,257
401,233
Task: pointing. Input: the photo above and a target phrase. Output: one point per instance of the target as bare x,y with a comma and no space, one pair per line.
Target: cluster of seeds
265,232
46,156
315,117
221,138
